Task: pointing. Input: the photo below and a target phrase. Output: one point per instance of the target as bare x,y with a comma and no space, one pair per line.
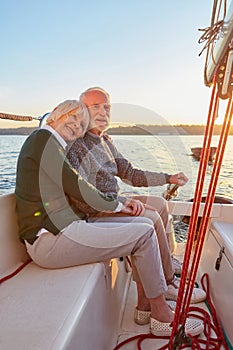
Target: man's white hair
95,88
64,108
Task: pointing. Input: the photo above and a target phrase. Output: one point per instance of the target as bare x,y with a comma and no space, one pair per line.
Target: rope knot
181,338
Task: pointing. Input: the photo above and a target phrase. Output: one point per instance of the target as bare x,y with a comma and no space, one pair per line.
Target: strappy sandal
193,327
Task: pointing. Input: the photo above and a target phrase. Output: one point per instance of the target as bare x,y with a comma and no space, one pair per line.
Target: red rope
206,287
211,193
205,216
3,279
183,297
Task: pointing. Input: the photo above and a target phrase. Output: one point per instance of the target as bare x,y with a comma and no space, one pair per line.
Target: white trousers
101,239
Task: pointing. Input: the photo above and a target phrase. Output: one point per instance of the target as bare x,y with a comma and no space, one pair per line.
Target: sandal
193,327
143,317
198,294
177,265
171,304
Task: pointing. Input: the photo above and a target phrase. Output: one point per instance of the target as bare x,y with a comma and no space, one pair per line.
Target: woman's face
72,126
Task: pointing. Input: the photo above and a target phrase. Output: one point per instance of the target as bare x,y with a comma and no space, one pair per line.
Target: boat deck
129,328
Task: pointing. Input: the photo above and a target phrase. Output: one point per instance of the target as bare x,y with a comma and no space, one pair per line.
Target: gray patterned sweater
99,162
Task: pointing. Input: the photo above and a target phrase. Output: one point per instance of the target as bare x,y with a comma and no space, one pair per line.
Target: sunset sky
143,52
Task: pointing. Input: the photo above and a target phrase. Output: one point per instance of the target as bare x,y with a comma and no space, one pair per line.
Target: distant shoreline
139,129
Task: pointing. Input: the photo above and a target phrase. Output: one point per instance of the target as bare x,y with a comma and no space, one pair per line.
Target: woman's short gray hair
64,108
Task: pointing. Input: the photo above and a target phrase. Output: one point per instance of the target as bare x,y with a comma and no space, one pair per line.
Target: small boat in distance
196,153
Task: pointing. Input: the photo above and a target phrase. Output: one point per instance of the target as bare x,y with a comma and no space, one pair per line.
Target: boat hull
100,301
196,153
217,262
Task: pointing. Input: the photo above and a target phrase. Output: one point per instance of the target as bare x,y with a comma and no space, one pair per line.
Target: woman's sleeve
58,168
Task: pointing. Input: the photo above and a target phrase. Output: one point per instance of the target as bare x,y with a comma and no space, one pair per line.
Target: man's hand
135,207
178,179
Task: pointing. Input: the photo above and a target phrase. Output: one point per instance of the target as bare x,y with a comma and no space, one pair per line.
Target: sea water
160,153
172,154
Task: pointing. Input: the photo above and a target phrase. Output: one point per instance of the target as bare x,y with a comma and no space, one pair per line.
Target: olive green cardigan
45,180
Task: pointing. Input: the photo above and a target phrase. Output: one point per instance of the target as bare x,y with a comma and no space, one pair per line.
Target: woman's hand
135,207
178,179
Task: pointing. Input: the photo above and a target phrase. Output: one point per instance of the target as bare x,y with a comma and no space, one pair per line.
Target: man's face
98,106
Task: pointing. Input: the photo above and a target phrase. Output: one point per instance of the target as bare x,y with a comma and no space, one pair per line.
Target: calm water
158,153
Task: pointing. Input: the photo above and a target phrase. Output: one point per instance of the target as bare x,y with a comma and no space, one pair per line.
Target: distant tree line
139,129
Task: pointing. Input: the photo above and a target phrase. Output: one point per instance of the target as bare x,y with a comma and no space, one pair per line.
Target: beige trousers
101,239
160,219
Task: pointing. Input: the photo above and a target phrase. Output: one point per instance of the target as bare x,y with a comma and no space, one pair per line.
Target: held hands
178,179
135,207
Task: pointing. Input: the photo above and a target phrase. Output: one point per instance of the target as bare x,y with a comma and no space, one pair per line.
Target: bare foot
143,304
160,310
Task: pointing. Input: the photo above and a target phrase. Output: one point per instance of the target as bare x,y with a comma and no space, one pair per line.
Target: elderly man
97,159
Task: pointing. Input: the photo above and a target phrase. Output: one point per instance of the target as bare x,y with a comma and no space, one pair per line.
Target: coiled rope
212,328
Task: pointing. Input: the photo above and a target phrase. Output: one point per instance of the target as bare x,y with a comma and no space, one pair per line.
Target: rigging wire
212,33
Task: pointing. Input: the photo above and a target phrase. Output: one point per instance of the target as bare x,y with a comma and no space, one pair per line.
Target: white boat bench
76,308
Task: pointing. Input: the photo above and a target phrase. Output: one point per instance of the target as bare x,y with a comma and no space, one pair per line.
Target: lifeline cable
25,118
17,117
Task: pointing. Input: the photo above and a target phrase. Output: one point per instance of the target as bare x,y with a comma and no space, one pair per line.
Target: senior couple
70,211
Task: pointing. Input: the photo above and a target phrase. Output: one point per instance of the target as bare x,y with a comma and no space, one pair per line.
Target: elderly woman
57,234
